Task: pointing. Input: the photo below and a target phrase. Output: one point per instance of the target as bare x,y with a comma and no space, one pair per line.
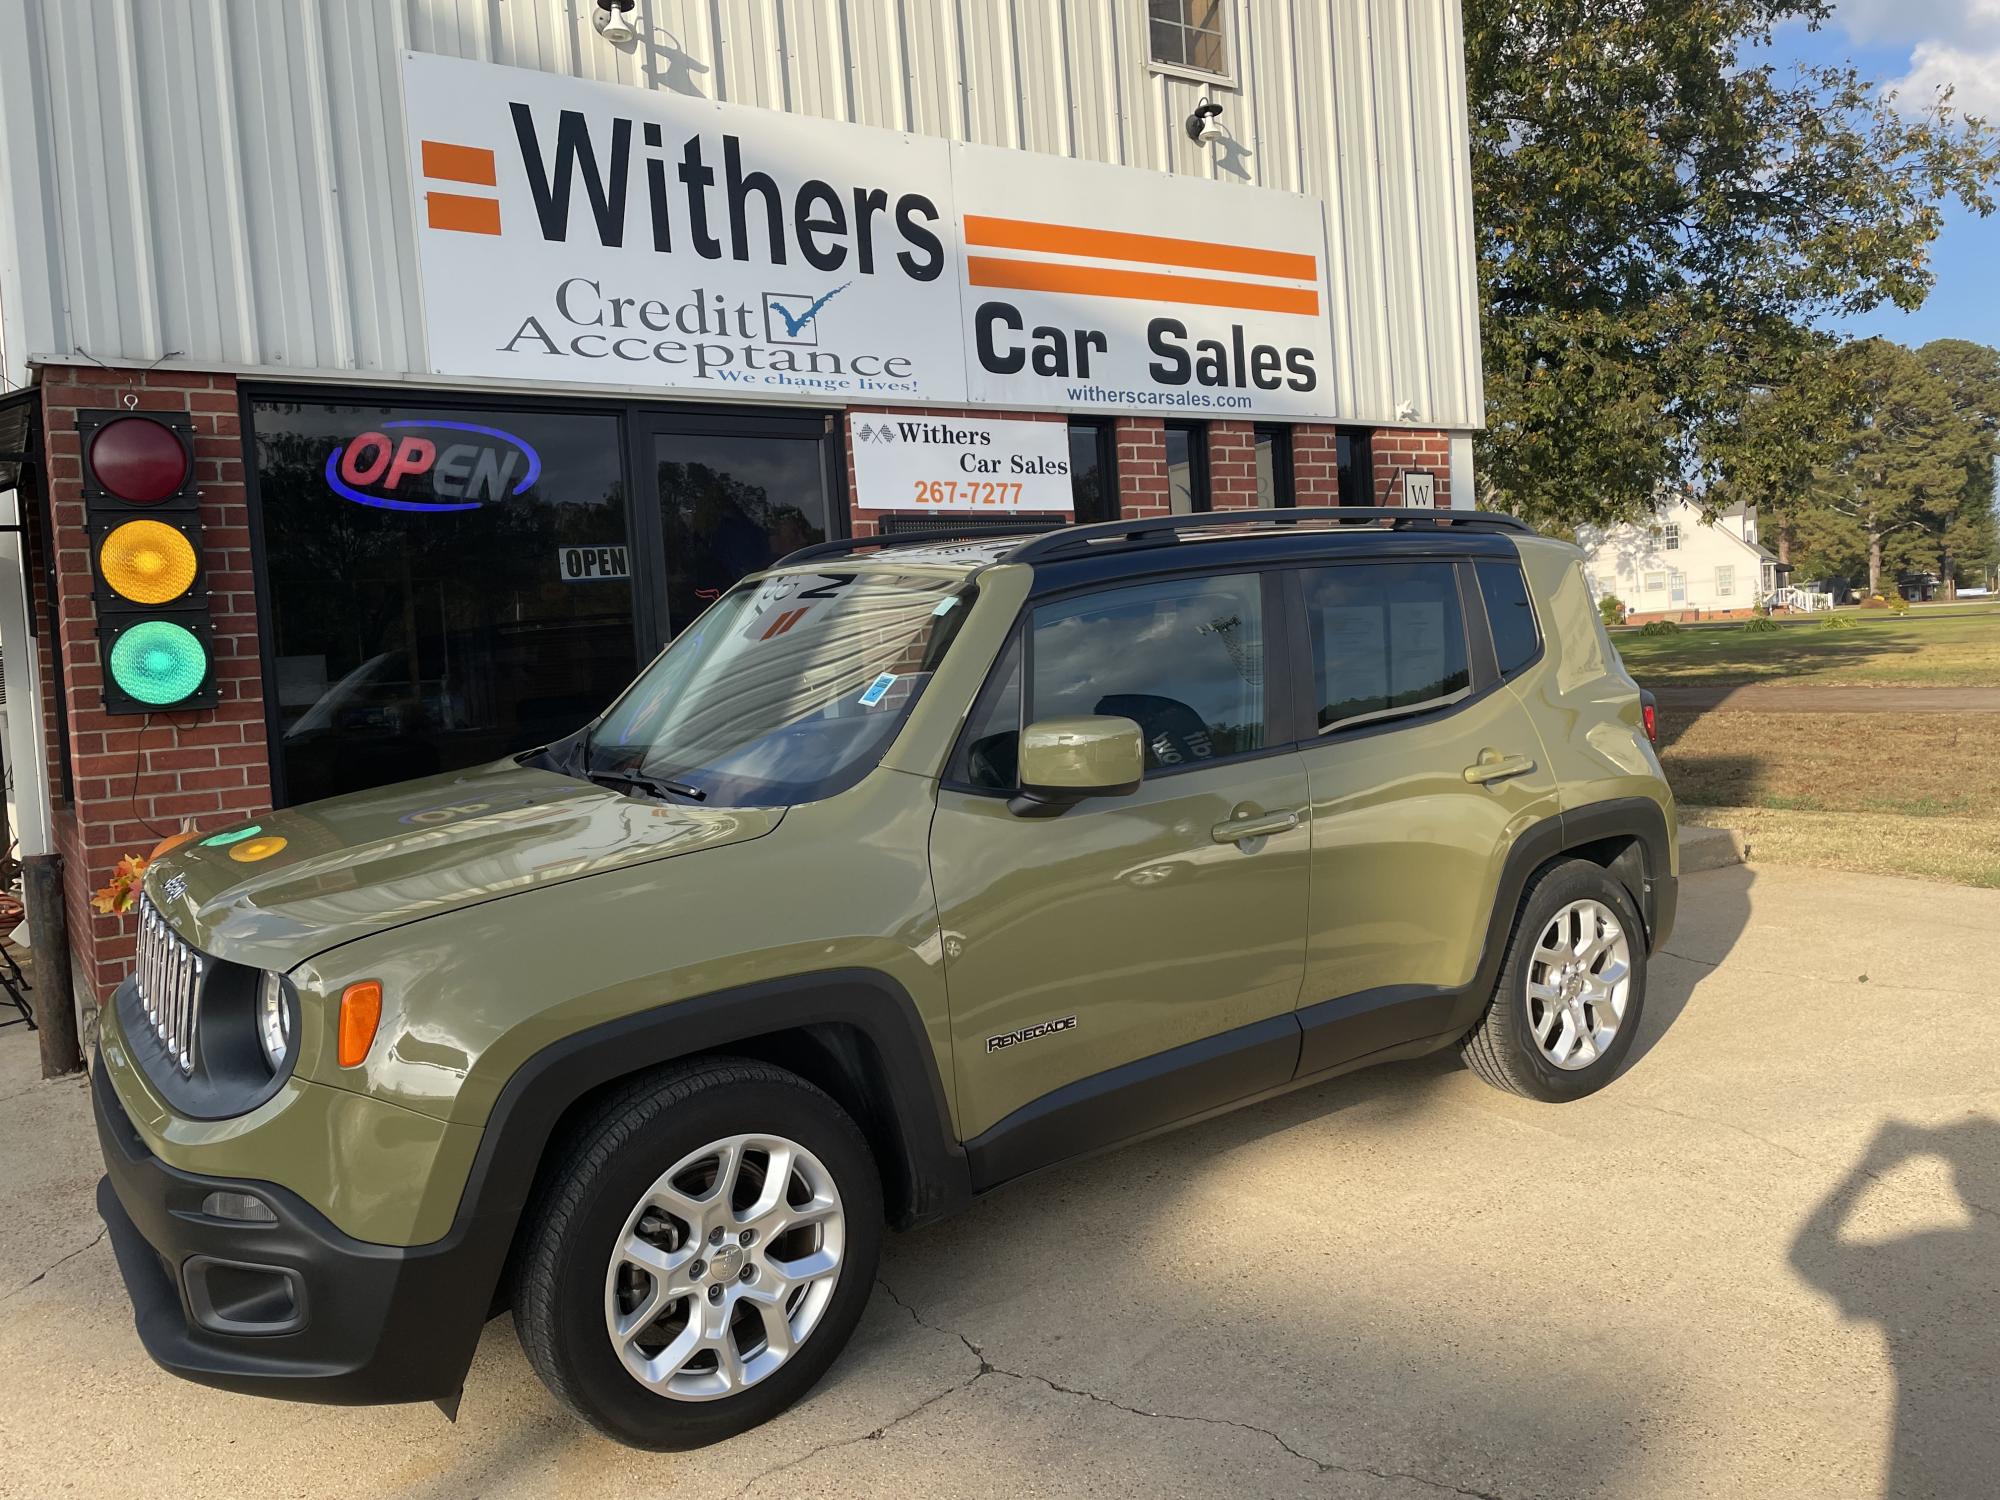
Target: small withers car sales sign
958,464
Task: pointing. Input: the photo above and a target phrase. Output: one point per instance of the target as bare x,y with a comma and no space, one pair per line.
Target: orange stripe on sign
459,163
1140,286
1155,249
469,215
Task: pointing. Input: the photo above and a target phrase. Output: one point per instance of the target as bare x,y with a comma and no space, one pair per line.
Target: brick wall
1232,465
138,777
1397,450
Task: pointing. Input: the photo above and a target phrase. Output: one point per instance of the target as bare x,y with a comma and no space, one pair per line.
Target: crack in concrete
1784,1150
102,1231
1319,1465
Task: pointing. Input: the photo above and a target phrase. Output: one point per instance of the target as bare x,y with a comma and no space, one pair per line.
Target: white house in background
1677,564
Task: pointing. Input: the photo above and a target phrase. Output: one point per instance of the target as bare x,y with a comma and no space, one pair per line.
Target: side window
1183,658
1511,613
988,751
1388,639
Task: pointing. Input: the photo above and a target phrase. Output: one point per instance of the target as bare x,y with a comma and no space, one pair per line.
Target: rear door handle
1256,826
1493,766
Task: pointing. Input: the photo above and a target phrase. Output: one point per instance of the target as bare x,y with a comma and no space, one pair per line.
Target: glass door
735,495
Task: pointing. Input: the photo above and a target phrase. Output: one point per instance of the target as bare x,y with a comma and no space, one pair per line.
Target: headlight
274,1021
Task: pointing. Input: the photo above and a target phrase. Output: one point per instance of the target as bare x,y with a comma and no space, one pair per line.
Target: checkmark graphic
795,324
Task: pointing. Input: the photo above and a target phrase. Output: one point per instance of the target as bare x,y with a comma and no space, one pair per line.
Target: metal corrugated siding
223,182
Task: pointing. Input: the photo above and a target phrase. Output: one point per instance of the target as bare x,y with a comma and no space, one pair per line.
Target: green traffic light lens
159,662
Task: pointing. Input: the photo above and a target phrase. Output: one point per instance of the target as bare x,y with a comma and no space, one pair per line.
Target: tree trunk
1947,583
1784,544
1874,563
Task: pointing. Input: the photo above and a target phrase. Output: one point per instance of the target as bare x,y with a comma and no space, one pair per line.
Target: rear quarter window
1516,637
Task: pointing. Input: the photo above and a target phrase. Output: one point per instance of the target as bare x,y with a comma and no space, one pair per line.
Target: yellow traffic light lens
148,562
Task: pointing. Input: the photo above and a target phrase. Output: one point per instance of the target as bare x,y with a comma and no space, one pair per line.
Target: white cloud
1946,22
1972,75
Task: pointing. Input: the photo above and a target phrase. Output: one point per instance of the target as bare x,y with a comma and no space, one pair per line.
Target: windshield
784,691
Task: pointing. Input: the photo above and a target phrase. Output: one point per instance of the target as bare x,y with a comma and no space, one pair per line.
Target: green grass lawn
1957,646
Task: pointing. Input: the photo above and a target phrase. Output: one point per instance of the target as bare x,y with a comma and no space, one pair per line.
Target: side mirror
1064,761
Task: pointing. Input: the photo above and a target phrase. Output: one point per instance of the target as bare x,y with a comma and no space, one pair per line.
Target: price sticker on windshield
878,690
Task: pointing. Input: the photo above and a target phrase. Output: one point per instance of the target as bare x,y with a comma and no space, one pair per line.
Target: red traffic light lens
138,460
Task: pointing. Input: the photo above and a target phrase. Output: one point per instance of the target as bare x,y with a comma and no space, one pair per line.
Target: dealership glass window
1188,34
732,503
1274,467
1093,472
446,585
1356,462
1388,640
1187,468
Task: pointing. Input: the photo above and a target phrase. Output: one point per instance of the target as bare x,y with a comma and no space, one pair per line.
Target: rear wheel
1566,1006
700,1255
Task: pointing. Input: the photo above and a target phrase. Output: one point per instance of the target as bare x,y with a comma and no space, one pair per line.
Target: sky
1914,46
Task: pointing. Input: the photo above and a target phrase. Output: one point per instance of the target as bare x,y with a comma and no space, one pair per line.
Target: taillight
1652,717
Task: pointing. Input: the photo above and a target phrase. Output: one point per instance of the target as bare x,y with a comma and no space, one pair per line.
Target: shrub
1898,605
1612,608
1836,622
1660,627
1760,623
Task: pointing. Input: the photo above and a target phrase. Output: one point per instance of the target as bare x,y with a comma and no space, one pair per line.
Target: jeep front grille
169,974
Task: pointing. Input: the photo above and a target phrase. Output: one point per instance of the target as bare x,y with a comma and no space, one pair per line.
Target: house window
1652,583
1670,537
1725,580
1189,36
1677,588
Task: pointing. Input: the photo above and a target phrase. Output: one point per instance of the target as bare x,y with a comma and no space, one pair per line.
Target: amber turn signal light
360,1014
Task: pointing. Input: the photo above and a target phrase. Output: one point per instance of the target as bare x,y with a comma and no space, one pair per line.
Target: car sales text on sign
958,464
589,232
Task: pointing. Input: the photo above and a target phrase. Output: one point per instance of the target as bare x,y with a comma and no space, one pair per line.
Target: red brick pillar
137,777
1232,465
1315,464
1142,467
1397,450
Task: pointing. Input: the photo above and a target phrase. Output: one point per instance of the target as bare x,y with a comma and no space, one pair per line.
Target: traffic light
144,517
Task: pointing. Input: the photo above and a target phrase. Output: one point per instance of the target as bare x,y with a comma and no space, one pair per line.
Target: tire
1530,998
606,1192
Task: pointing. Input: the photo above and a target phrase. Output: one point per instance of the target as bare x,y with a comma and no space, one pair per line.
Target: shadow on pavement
1935,1295
1714,910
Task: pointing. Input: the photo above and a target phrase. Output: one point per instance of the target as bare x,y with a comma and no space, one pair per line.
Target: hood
273,892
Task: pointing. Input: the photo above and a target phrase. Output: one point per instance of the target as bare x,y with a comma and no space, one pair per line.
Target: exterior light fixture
613,20
1201,126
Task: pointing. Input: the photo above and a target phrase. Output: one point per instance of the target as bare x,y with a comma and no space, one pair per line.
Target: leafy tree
1899,479
1663,216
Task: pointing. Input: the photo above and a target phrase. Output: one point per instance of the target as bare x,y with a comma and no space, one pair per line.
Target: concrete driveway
1398,1284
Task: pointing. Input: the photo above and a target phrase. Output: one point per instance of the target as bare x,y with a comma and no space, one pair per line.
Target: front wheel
1566,1006
700,1254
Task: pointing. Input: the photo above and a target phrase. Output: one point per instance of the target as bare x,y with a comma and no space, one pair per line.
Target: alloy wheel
724,1267
1579,979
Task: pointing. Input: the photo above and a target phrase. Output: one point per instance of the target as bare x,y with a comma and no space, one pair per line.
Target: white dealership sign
958,464
593,233
581,231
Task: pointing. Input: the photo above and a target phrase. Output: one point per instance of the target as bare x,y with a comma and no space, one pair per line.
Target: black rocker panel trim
1137,1098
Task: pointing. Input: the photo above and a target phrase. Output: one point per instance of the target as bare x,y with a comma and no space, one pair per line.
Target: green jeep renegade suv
907,869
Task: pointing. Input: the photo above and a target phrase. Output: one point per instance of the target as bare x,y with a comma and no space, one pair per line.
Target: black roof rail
1167,528
841,546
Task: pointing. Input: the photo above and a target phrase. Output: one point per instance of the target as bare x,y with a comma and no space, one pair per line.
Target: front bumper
291,1308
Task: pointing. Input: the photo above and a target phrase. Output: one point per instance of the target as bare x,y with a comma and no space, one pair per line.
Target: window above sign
1190,37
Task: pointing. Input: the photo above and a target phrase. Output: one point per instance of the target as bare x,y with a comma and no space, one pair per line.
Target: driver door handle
1256,826
1492,766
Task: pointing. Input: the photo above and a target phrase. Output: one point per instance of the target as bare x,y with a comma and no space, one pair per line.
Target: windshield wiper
658,786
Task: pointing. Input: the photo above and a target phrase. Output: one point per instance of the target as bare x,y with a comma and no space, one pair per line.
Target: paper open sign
587,564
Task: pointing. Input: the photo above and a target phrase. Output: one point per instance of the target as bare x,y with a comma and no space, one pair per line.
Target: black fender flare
532,1104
